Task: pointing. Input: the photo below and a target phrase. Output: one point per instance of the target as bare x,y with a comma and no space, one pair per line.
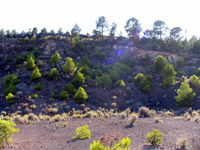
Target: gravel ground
45,136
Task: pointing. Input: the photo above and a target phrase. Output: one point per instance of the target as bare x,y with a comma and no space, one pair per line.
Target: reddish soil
45,136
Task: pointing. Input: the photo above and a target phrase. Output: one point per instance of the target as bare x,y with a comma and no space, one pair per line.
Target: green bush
122,144
126,59
55,59
168,82
34,96
168,71
78,80
30,64
146,59
69,67
53,95
114,76
82,133
19,66
197,72
70,89
159,63
38,87
30,48
138,78
180,62
120,83
19,59
54,74
10,98
103,56
154,137
7,130
194,80
180,73
10,78
86,61
36,52
147,88
104,81
121,68
86,71
185,95
36,75
10,89
7,60
33,38
28,55
64,95
93,46
80,96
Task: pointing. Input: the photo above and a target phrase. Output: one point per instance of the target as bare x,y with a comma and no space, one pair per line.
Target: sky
53,14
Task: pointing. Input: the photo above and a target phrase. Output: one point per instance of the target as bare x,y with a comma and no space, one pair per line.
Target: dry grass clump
132,119
33,107
144,112
123,115
196,119
152,113
195,113
157,120
31,118
91,114
168,114
25,105
17,119
53,110
181,143
44,117
58,117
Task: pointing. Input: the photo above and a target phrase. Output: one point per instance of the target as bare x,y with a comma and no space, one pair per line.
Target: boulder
21,86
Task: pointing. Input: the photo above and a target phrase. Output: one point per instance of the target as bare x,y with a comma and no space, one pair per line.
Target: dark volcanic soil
45,135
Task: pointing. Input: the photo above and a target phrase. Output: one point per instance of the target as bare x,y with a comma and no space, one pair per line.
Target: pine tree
36,75
185,95
80,96
55,59
30,64
69,67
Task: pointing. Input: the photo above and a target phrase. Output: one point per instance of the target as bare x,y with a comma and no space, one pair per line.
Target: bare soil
45,136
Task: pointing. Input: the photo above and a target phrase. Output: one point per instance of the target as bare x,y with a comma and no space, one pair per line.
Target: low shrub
197,72
7,130
120,83
34,96
30,64
154,137
78,80
70,89
10,78
132,119
82,133
10,89
80,96
54,74
111,141
91,114
168,82
64,95
38,87
19,59
144,112
55,59
194,81
36,75
181,143
10,98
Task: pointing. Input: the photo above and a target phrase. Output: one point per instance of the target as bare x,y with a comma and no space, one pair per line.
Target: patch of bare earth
45,135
